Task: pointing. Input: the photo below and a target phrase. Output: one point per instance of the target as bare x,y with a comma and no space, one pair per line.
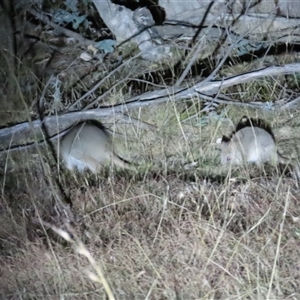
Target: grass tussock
161,232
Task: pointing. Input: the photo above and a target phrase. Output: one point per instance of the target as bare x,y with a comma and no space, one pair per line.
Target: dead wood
205,90
267,21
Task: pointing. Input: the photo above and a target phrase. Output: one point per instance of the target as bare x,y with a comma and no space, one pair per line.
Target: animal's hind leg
91,163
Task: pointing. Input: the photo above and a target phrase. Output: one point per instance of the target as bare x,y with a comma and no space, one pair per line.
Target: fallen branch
204,90
213,86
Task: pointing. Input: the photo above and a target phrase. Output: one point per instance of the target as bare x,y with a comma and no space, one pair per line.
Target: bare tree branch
56,123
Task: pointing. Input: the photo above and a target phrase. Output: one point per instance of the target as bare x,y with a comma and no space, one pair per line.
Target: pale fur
253,144
87,145
250,145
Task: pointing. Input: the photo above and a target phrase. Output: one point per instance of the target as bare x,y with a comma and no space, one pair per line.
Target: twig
212,86
30,145
127,119
232,46
221,63
199,47
291,104
137,122
114,86
67,32
190,64
150,98
45,131
229,101
94,88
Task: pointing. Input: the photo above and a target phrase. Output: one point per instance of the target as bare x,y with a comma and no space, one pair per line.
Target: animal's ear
244,119
244,122
225,139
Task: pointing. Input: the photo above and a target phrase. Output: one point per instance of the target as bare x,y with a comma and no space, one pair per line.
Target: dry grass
160,233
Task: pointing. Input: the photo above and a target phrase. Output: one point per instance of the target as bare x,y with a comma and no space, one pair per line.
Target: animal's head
226,150
230,152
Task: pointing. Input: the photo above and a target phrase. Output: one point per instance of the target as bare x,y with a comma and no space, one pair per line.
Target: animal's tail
117,160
